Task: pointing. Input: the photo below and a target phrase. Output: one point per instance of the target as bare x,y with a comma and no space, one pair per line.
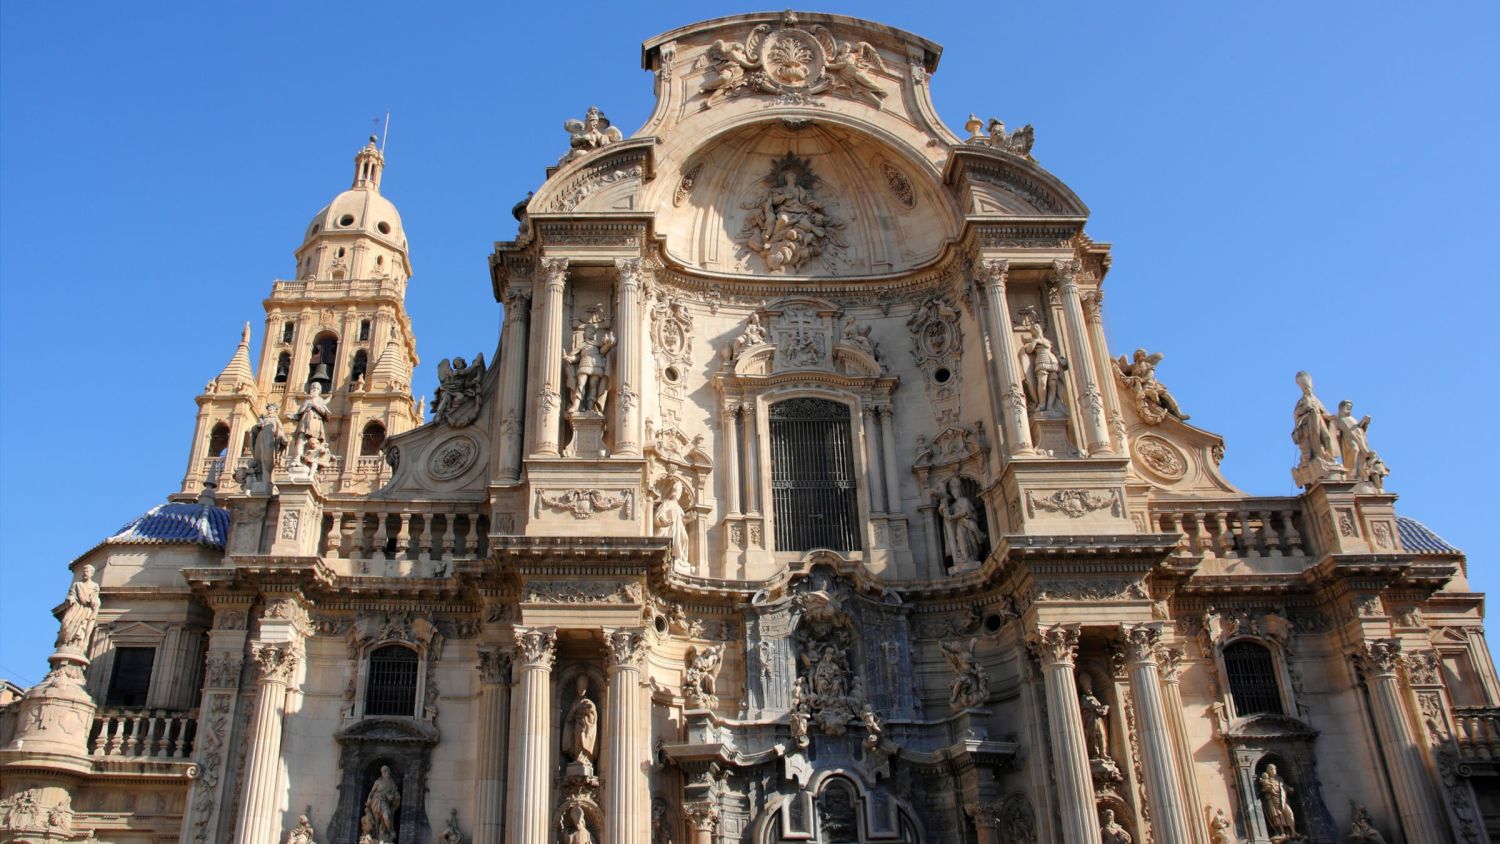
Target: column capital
494,666
992,272
985,815
625,647
1380,657
1093,305
275,663
1141,642
1171,660
517,302
554,271
1066,272
703,815
536,647
629,270
1055,645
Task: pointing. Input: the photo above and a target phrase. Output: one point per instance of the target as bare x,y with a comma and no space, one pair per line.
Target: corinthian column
1094,426
1168,815
259,798
513,379
628,358
530,742
703,816
494,712
1415,802
992,273
1055,648
549,346
1093,306
1171,693
625,737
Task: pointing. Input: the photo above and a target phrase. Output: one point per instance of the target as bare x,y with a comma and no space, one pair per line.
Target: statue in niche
310,435
699,681
79,613
1354,442
581,728
1315,436
456,401
827,674
753,335
1362,829
1043,371
302,833
1110,831
586,363
858,337
267,440
381,806
589,134
1153,399
671,522
971,685
452,834
1095,718
788,226
961,525
661,825
576,831
1275,798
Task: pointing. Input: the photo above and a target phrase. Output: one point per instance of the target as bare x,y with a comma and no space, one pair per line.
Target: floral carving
276,663
900,185
1141,641
1055,645
210,764
536,646
452,458
625,648
794,65
1160,458
582,592
222,671
685,184
1074,503
1382,656
584,503
494,666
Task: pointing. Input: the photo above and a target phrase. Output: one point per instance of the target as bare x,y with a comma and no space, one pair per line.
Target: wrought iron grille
813,482
1252,679
391,688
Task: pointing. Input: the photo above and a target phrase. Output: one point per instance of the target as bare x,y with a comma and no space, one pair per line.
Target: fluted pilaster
529,812
259,800
992,274
549,349
1416,802
1094,424
514,350
888,452
627,357
494,711
1056,648
1169,817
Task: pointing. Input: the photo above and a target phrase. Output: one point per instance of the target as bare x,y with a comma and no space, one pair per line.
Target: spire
391,370
368,164
238,370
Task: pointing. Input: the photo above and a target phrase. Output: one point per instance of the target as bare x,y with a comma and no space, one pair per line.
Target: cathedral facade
800,501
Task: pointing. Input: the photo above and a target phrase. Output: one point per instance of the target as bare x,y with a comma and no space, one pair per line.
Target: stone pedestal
298,511
588,435
55,716
1049,436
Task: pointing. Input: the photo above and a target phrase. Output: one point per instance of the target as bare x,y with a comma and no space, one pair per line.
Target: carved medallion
900,185
1160,458
793,65
452,457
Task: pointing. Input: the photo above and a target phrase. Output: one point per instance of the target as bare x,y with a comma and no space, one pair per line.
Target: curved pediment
995,183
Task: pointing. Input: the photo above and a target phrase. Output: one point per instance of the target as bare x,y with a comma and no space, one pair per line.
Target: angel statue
727,76
1017,142
456,400
1154,401
971,686
849,68
589,134
698,682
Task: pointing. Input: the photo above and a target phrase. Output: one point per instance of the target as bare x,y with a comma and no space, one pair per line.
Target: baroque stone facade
801,501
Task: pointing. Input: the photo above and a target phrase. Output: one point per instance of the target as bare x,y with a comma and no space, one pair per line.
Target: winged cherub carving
971,686
849,67
457,399
1154,399
589,134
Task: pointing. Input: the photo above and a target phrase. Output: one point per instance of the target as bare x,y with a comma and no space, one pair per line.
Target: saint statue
1095,718
586,364
79,613
1044,369
671,522
1275,798
828,675
1220,829
961,526
267,439
858,337
576,832
381,806
971,685
1362,829
302,833
1314,434
788,226
581,728
753,335
1110,831
310,436
452,834
1354,443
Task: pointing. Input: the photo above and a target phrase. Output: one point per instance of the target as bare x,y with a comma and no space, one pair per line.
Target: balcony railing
1476,729
405,531
143,734
1234,528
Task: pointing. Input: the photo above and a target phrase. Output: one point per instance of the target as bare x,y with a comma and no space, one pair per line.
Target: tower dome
358,216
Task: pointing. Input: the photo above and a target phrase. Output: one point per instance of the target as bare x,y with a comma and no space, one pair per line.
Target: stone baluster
731,420
888,449
1094,427
1247,534
424,542
494,711
1268,534
625,733
330,535
992,274
471,537
260,797
1169,815
1416,803
627,358
381,535
530,808
403,536
549,348
1293,538
448,550
874,460
1224,535
513,379
1056,648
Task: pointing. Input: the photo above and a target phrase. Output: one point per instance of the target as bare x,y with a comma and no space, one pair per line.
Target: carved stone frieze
794,65
586,503
1074,503
582,592
222,671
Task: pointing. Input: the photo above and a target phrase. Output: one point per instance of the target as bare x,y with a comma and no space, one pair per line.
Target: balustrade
143,734
406,531
1234,528
1477,731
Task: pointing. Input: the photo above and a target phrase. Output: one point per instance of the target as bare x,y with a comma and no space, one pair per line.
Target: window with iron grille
813,481
1252,679
391,688
130,678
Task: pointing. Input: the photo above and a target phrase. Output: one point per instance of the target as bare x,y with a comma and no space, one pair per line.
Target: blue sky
1287,186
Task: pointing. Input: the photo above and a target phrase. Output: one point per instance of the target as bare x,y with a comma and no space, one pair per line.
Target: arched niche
839,808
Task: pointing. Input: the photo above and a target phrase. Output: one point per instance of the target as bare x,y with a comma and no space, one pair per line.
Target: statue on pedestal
1275,798
1354,447
588,134
698,682
1095,718
971,685
267,439
310,436
79,613
302,833
1043,374
961,525
1314,434
753,335
1153,398
586,363
380,808
581,729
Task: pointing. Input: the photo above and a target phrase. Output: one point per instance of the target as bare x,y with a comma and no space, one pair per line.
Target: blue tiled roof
173,523
1418,537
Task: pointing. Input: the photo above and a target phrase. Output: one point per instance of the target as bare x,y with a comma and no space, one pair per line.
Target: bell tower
341,324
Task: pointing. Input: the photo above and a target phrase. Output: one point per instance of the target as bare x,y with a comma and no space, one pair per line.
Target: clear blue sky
1287,185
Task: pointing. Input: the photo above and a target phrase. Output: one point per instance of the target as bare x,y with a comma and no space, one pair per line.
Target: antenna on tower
385,132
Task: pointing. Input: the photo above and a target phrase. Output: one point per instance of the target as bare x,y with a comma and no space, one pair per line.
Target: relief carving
699,688
1153,400
1074,503
1016,143
1160,457
971,684
794,65
788,225
582,592
585,503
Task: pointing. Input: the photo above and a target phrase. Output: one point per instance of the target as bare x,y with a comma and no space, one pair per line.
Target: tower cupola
359,234
368,163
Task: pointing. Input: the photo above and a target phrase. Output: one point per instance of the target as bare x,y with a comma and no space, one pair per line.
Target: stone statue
800,715
727,75
1153,399
576,832
456,401
1043,374
971,685
1362,829
1110,831
586,364
310,436
302,833
828,681
873,728
788,226
753,335
381,806
1275,798
1354,442
1315,436
858,337
79,613
849,68
698,682
581,728
267,439
1095,718
961,525
589,134
366,826
671,522
1220,829
661,825
1017,143
451,834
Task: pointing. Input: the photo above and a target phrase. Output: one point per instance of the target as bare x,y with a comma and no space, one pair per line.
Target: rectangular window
131,677
813,482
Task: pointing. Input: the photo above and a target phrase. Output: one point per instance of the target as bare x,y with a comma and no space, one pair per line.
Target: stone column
1169,819
1093,305
1094,427
752,460
986,817
703,817
1056,647
888,447
1415,801
260,796
514,344
1171,669
494,715
992,273
549,347
625,738
731,420
875,460
530,810
628,358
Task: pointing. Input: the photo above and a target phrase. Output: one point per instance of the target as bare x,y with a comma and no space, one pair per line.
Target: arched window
838,819
1252,679
283,367
218,440
361,363
364,324
391,688
372,439
813,482
325,348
